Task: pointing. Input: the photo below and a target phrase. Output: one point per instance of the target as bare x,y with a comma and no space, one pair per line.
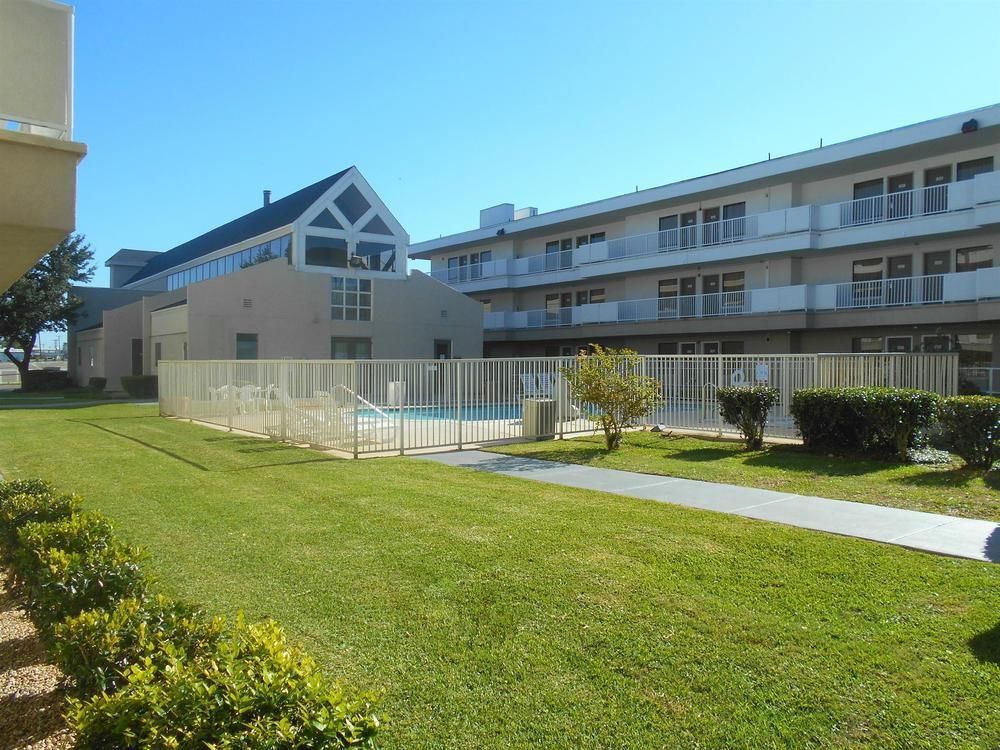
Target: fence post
457,366
286,398
357,403
230,401
401,397
718,384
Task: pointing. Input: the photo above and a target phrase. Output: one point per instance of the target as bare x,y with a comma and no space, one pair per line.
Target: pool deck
929,532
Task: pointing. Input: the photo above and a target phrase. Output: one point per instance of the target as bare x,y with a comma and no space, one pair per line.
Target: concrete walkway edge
929,532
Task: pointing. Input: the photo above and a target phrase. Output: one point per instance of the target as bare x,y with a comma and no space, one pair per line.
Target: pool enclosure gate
380,406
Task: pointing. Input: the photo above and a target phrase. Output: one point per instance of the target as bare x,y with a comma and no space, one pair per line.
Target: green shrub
97,384
78,533
97,647
746,408
872,420
140,386
62,584
254,691
972,425
24,501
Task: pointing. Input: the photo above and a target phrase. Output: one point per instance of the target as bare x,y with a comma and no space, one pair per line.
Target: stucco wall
88,356
120,327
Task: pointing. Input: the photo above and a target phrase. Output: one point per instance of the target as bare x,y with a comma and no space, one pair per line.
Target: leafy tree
41,300
615,393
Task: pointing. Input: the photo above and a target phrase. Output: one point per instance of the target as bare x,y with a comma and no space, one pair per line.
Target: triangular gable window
377,226
326,220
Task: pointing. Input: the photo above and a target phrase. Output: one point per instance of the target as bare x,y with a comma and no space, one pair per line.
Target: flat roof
897,138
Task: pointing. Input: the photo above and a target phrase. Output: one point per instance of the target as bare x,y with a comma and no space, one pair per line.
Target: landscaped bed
493,612
952,489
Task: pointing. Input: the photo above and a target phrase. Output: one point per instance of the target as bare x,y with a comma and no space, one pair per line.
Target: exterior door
689,347
710,347
867,204
689,288
710,226
137,356
900,201
710,294
935,265
442,348
566,308
935,193
900,285
734,221
689,228
668,238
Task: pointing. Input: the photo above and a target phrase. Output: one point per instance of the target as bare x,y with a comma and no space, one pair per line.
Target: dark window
974,349
689,347
937,176
597,237
552,304
582,240
866,344
329,252
352,203
972,258
936,344
969,169
867,189
669,237
442,348
596,296
898,344
552,247
667,288
869,269
582,297
666,347
326,220
732,282
375,256
246,346
566,244
350,348
732,347
377,226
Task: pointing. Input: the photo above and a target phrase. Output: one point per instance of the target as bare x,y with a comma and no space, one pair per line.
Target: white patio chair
529,384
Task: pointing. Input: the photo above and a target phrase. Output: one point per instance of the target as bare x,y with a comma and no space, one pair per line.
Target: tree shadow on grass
794,458
960,476
986,645
701,454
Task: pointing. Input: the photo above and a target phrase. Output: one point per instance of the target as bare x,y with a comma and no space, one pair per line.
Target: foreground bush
140,386
875,420
972,424
24,501
255,691
98,647
610,383
746,408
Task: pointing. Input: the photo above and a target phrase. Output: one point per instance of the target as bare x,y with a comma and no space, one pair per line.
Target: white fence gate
379,406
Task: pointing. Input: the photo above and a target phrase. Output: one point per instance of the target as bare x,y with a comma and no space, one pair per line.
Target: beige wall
89,356
121,325
290,313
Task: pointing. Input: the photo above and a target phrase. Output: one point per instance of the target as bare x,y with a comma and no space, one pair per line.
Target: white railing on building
36,60
394,406
895,206
984,380
967,286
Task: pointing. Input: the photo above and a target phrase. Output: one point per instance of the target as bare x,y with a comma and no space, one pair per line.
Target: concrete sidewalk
946,535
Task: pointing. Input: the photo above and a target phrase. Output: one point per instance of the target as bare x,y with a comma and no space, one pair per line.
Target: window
350,299
732,282
582,298
732,347
866,344
90,353
597,237
666,347
734,226
442,348
350,348
375,256
552,305
869,269
868,189
936,344
969,169
582,240
899,344
668,232
352,203
596,296
329,252
246,346
974,349
667,288
688,233
972,258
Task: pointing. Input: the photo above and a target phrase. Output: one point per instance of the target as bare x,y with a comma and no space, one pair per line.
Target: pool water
466,413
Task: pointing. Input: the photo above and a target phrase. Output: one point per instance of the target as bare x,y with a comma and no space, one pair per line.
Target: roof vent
247,303
525,213
494,215
267,197
970,126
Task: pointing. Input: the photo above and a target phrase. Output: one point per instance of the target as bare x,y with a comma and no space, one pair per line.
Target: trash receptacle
538,418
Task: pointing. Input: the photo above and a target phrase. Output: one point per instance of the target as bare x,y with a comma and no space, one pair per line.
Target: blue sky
190,109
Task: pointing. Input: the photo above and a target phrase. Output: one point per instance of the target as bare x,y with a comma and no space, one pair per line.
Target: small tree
746,408
613,390
42,300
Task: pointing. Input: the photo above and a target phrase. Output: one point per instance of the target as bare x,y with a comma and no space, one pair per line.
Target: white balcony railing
895,206
968,286
684,238
36,57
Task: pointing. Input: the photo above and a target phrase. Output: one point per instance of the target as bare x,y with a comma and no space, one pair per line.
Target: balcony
38,159
970,286
940,208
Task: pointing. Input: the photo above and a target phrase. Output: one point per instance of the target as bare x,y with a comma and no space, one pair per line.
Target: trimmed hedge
746,408
97,384
884,421
972,426
151,672
140,386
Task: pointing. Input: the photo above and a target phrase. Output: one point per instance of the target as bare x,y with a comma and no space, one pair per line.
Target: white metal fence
378,406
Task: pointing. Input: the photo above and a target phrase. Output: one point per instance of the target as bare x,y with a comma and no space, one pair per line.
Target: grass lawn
497,612
953,489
